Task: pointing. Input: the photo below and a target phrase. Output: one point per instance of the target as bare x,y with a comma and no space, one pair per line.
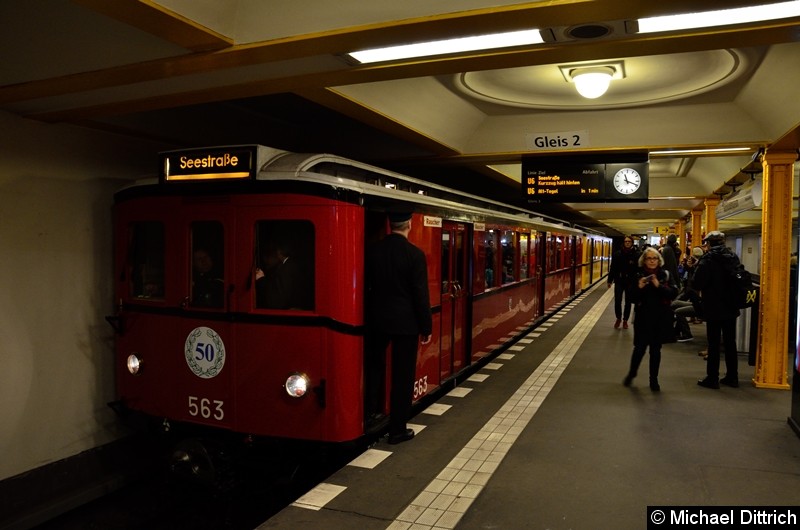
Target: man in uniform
398,313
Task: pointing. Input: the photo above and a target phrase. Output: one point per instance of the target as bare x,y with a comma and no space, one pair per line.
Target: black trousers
403,370
727,328
638,354
620,291
682,309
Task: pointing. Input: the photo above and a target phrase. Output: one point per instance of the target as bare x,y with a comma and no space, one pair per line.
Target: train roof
383,184
379,188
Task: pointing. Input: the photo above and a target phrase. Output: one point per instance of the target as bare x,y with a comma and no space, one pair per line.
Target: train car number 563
206,408
420,387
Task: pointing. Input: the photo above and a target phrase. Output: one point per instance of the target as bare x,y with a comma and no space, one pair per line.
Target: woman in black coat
652,292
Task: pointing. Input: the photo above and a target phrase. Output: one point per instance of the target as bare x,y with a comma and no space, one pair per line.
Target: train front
227,320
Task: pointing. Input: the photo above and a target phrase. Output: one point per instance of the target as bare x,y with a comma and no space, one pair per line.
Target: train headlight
297,385
134,364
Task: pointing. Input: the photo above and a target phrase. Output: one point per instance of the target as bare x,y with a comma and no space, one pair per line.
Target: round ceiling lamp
592,82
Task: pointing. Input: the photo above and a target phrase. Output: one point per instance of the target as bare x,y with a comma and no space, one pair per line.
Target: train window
508,243
523,256
555,253
489,245
446,251
284,251
146,256
208,264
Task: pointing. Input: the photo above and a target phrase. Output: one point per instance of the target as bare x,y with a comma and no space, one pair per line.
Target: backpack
745,294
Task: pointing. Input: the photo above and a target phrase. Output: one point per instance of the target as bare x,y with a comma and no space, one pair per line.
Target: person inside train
283,283
207,285
651,294
624,265
489,260
398,313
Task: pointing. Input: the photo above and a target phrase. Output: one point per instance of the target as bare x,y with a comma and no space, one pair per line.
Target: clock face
627,181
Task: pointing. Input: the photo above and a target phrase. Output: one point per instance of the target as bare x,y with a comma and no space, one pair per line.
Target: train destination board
553,179
219,163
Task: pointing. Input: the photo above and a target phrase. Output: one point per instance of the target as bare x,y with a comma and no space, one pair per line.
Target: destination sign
223,163
582,179
564,183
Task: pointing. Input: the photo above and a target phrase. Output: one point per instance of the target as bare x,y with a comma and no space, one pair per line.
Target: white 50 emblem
205,352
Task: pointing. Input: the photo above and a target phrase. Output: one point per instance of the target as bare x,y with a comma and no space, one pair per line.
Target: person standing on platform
398,313
672,256
652,293
713,280
624,264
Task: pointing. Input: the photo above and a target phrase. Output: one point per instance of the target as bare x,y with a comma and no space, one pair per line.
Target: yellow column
682,237
697,228
711,214
772,357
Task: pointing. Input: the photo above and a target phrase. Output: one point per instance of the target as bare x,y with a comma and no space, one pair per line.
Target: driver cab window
208,264
147,260
284,255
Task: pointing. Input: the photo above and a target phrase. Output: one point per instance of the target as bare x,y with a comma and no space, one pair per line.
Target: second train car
200,342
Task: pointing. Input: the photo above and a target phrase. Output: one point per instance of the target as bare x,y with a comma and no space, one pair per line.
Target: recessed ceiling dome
648,80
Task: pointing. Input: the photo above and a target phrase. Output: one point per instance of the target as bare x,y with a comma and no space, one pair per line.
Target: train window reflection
208,269
523,256
147,260
446,250
490,245
508,243
284,255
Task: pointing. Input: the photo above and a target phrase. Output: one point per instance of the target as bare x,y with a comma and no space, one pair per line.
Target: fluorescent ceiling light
722,17
695,151
441,47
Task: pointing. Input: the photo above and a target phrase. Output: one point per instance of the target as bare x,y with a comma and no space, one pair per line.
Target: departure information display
581,179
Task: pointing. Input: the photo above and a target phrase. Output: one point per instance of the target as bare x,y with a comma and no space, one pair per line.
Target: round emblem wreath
206,370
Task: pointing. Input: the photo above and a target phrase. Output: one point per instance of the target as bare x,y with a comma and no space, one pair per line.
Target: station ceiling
184,73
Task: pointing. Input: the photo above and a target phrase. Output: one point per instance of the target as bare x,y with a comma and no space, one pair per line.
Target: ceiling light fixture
593,82
723,17
719,150
448,46
592,79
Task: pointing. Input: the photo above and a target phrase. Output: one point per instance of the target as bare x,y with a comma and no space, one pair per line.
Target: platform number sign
204,352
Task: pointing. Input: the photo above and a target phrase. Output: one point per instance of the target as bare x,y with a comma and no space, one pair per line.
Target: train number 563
206,408
420,387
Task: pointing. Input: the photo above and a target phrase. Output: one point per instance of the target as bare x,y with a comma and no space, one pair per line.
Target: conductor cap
399,217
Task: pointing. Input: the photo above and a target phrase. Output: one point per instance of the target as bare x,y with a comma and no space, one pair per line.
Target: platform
546,436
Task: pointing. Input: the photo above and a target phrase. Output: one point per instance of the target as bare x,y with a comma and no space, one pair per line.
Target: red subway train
204,339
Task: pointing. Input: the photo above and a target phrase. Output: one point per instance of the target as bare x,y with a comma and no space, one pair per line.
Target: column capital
774,158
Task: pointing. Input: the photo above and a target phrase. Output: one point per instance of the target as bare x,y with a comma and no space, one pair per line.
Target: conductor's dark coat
398,301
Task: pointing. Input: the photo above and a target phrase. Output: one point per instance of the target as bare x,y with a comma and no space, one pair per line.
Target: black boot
709,382
628,380
654,386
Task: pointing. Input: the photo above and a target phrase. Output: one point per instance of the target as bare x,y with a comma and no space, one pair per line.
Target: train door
454,297
208,340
